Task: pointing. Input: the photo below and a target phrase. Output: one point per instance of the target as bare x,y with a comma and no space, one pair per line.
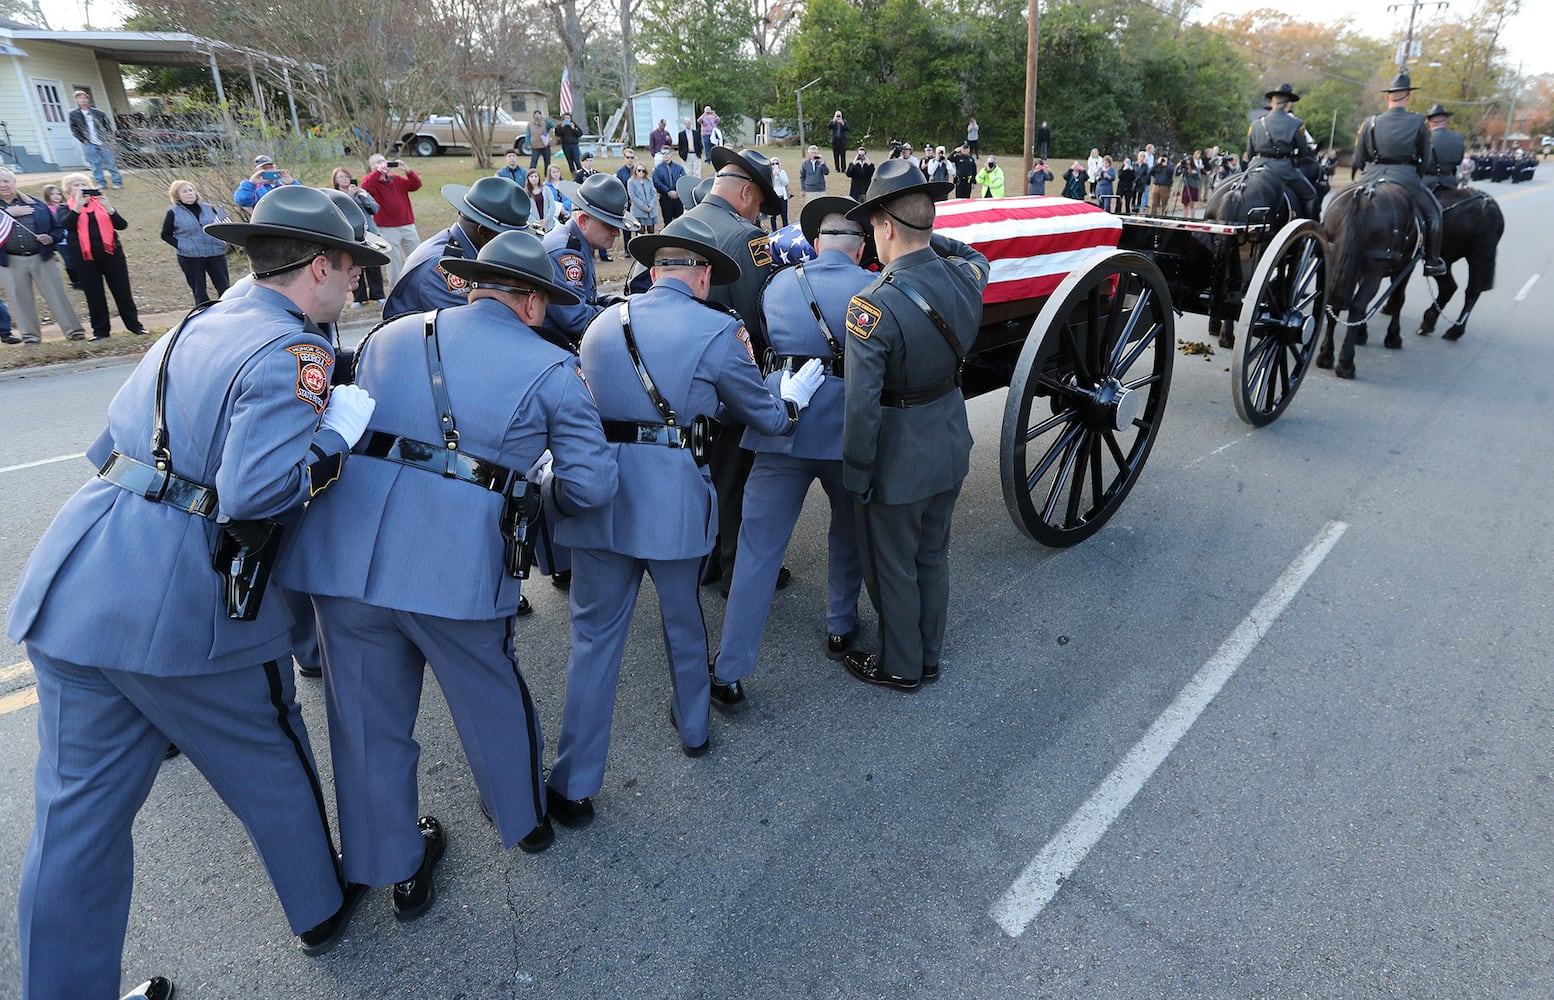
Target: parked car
170,140
445,133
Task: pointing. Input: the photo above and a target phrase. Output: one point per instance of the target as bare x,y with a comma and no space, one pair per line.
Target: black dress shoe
713,572
539,838
100,336
155,988
415,894
309,670
696,751
838,645
783,578
930,673
562,580
328,934
866,667
524,607
727,697
574,814
8,339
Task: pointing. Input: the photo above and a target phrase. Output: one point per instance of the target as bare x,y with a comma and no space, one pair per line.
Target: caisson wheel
1282,311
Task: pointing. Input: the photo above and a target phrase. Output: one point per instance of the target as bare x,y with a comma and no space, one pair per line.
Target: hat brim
725,270
478,270
239,233
934,189
685,187
623,221
816,209
1289,95
457,195
722,157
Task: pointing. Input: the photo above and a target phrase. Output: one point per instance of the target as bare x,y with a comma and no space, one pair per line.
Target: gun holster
704,433
520,510
244,555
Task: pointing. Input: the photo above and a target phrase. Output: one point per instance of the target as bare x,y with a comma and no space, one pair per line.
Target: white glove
799,387
541,473
348,411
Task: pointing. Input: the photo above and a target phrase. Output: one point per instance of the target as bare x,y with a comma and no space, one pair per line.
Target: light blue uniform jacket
422,284
572,259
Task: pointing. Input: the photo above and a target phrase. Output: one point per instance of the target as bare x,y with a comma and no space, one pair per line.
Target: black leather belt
793,362
23,253
158,486
432,458
1397,163
907,398
630,432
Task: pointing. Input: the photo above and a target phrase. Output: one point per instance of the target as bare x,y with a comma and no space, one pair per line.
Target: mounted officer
1395,146
1447,149
1278,142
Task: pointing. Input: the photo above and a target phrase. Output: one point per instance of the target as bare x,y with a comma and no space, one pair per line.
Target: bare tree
480,70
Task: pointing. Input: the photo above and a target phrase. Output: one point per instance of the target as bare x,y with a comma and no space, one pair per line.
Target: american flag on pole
566,91
7,224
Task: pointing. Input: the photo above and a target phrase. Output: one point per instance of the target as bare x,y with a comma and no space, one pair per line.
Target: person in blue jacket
226,424
406,559
490,206
261,183
663,518
804,312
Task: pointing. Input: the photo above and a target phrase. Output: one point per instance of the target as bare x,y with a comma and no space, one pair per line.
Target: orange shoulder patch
313,364
862,317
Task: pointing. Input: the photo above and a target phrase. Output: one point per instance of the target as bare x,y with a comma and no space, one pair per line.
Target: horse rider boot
1447,150
1395,146
1278,142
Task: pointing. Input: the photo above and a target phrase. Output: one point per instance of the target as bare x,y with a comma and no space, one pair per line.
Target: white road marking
43,461
1522,295
1216,451
1023,902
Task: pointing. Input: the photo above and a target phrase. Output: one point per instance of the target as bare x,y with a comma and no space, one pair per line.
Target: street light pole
1510,118
800,95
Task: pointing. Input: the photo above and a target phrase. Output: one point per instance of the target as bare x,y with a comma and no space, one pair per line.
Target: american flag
6,225
566,91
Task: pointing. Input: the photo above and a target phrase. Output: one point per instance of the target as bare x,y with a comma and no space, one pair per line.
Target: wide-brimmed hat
494,202
893,179
1282,90
603,196
691,190
1400,82
689,233
817,209
1438,111
301,213
352,210
755,165
512,254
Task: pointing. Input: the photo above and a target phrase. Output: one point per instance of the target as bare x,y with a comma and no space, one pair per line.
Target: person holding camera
92,222
859,173
991,177
1036,181
838,130
395,218
780,185
813,172
266,178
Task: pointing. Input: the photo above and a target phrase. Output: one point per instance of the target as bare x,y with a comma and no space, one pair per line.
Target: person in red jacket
395,218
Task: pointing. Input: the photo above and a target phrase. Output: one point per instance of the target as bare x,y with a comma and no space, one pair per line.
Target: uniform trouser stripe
530,719
272,674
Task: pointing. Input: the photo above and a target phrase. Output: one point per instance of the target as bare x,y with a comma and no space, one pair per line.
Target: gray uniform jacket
245,389
750,247
699,358
1447,149
1395,146
899,455
1278,140
410,539
423,284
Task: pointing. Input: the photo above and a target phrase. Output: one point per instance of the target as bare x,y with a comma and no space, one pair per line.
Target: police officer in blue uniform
600,211
1278,142
906,444
804,312
660,365
226,424
489,206
408,565
1395,146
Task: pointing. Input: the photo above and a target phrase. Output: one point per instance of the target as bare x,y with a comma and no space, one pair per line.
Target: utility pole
1413,10
1510,118
800,95
1032,35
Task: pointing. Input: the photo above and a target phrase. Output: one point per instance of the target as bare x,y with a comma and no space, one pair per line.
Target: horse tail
1345,221
1481,266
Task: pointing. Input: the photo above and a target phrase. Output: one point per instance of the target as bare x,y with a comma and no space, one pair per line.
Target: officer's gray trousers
101,737
906,566
374,667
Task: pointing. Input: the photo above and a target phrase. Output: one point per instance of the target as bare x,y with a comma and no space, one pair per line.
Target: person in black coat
92,223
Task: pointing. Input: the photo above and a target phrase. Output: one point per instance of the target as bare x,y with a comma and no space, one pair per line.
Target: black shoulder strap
450,430
659,402
814,307
928,310
160,452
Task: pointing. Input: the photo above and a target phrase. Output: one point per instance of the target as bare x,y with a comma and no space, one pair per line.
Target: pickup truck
436,134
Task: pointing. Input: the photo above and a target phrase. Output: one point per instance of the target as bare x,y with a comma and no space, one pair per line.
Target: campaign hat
692,191
1438,111
353,213
515,253
757,167
817,209
1400,82
688,233
603,196
1282,90
893,179
494,202
294,212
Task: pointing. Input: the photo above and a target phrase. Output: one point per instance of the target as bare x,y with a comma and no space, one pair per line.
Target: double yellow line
17,699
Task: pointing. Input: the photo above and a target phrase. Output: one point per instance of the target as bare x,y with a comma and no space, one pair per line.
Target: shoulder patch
313,366
455,283
862,317
571,266
761,251
744,338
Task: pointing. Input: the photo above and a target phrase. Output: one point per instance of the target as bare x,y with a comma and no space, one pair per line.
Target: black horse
1374,235
1471,227
1256,196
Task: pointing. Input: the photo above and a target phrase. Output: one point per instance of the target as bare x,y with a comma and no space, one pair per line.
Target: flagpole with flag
566,91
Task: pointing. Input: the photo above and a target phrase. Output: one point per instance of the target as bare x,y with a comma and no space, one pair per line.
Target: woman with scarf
92,224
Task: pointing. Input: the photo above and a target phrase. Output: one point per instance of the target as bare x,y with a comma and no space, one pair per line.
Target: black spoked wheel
1086,398
1284,308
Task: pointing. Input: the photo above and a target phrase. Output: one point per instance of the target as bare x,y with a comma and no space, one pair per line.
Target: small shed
524,100
648,106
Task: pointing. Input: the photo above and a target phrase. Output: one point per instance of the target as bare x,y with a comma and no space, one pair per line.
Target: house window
519,104
52,102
